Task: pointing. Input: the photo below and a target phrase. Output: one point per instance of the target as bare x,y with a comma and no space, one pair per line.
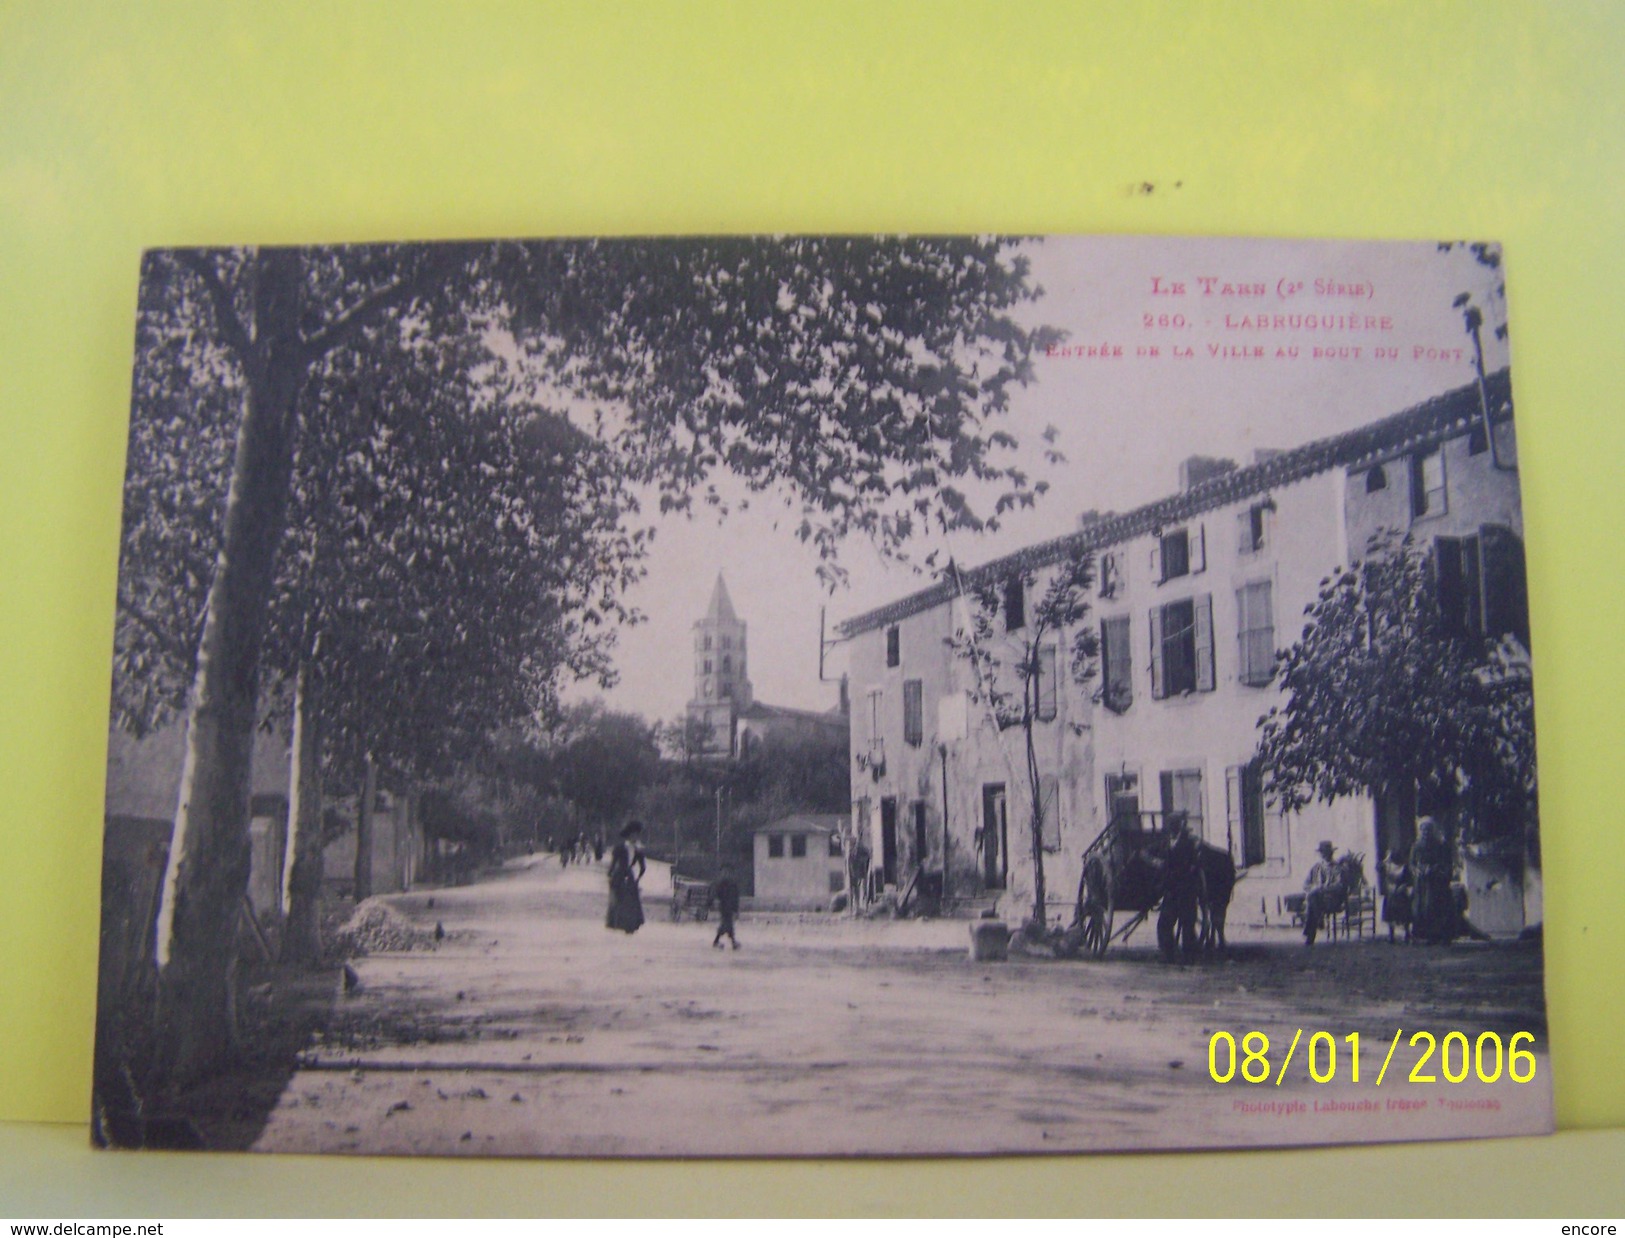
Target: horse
1218,872
1199,879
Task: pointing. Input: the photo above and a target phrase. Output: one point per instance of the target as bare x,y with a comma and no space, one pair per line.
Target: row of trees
363,494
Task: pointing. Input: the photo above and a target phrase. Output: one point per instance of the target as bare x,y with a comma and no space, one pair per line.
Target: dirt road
533,1030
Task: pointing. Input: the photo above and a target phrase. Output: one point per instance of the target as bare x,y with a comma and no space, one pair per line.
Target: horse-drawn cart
1142,863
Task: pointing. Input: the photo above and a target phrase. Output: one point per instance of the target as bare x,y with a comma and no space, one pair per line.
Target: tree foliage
331,391
1381,695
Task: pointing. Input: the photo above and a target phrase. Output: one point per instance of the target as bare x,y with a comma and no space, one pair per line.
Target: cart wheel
1097,928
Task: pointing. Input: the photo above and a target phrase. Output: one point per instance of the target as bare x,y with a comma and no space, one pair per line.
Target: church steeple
721,679
722,607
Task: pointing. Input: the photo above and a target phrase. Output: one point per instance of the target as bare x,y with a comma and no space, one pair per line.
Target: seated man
1324,893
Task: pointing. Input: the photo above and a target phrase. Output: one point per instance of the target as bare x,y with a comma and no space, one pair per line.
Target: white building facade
1192,597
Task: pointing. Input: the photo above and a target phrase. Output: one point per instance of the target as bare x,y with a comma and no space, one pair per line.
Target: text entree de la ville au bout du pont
1314,318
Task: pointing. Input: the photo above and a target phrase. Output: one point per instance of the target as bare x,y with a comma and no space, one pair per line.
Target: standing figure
725,893
626,869
1433,907
1181,891
1396,893
1324,892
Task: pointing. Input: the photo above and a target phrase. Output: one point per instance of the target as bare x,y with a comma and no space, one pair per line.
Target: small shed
798,861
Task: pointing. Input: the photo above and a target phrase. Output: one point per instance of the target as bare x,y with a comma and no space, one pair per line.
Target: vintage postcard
821,696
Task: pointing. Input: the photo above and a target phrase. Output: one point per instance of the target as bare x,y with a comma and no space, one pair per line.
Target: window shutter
1244,532
1472,588
1049,795
1156,653
1233,824
1048,688
1275,832
1506,600
1198,549
1451,592
1165,784
1156,562
1204,643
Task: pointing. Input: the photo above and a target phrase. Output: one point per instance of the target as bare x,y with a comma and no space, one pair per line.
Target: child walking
725,893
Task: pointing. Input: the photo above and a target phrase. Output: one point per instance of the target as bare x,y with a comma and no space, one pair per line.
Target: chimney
1194,470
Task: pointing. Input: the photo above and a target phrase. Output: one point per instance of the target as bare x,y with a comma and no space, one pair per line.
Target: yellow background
124,126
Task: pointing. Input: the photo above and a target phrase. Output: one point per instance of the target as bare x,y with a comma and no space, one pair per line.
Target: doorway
888,840
995,837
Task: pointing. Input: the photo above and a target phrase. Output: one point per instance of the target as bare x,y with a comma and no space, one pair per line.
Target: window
835,846
1461,588
708,666
913,712
775,846
1122,795
1182,793
727,689
1182,647
1244,813
1375,479
1015,605
1180,552
1111,574
1427,484
727,642
727,662
1117,682
1482,591
1252,528
1049,799
919,832
894,653
1255,633
837,881
1176,554
1048,683
708,640
798,846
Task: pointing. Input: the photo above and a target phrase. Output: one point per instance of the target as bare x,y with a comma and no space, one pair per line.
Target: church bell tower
721,678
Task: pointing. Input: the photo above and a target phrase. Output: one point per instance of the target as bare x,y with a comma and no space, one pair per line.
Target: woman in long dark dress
1433,911
626,869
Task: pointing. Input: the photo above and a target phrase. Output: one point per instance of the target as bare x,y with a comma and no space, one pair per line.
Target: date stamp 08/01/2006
1486,1058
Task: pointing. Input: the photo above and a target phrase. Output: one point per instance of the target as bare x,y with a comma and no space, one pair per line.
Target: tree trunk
302,872
209,849
363,833
1034,782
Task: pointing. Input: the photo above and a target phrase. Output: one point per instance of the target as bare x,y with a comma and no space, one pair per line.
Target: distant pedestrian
1433,910
725,894
626,869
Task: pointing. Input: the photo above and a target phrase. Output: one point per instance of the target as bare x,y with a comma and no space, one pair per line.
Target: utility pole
720,790
942,751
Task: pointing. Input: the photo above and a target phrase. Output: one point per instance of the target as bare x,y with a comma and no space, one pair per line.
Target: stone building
798,862
724,708
1193,595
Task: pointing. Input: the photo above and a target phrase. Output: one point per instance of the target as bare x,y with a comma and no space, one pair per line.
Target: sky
1125,419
